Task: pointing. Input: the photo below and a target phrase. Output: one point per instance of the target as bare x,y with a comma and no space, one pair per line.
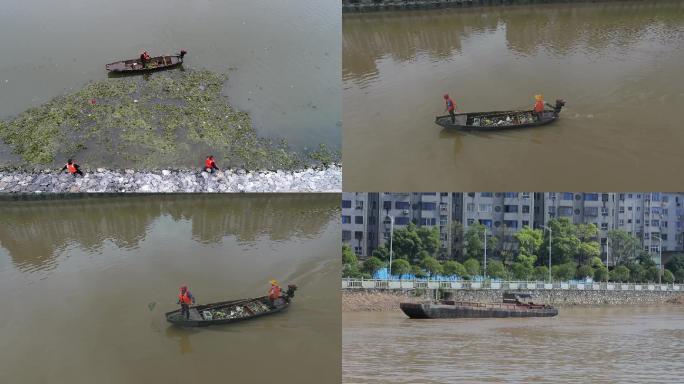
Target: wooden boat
498,120
155,64
512,306
226,312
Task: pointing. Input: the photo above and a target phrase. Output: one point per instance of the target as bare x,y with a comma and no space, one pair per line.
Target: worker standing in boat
451,107
539,106
185,298
210,164
144,58
274,292
72,167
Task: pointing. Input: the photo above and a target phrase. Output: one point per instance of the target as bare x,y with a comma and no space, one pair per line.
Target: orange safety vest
274,292
451,105
72,168
184,298
209,163
539,106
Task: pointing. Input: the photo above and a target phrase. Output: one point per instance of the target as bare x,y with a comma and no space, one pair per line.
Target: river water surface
626,344
86,283
618,65
282,57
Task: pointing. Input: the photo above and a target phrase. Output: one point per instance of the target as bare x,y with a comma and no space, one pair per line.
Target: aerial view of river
86,283
617,65
620,344
282,58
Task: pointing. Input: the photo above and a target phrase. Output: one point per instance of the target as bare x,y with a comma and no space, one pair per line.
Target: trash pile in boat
236,312
503,120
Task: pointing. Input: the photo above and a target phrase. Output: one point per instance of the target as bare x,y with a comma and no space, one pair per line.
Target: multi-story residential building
654,218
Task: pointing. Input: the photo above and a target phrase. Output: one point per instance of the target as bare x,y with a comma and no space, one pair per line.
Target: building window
525,195
552,210
577,211
604,226
663,224
655,223
346,235
428,221
664,237
402,205
346,219
486,194
485,207
511,195
358,250
525,209
510,208
359,204
470,207
358,219
386,205
511,223
401,220
552,195
564,211
346,203
665,212
621,222
525,223
566,196
486,223
591,211
620,210
428,206
655,210
604,211
358,235
591,197
470,221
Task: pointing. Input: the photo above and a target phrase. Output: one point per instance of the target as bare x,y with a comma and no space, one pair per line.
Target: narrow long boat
154,64
512,306
226,312
499,120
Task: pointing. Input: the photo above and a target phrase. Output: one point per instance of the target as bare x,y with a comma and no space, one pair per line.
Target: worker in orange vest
210,164
185,298
450,106
144,58
72,167
274,292
539,106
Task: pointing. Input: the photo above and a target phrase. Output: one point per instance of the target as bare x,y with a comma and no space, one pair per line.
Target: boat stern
414,310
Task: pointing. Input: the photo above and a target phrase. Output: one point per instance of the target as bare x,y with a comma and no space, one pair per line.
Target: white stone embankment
358,300
101,180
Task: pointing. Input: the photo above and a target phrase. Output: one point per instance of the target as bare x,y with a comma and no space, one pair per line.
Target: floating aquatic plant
168,119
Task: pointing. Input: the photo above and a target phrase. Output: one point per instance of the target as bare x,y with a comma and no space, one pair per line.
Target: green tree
564,241
620,274
588,246
584,271
529,240
457,237
400,267
452,268
668,277
474,242
623,246
372,265
432,266
496,270
675,265
679,276
350,263
601,274
418,271
381,252
521,271
563,272
541,272
636,272
472,267
406,243
651,274
429,240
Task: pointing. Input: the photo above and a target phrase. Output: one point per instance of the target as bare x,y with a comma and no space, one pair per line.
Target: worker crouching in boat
185,299
539,106
72,168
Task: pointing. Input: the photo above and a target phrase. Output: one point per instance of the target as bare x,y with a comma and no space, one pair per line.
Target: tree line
521,255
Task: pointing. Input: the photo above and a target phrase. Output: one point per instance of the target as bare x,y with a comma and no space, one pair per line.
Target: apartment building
654,218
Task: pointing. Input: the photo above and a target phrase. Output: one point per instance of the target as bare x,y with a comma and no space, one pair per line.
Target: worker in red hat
210,164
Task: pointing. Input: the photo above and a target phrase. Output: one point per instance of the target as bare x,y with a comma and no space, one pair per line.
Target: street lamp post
550,234
391,236
660,259
485,252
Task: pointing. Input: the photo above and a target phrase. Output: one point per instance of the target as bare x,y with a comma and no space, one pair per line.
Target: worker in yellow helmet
539,106
274,292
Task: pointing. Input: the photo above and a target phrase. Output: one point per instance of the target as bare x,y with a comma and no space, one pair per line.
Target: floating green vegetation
164,120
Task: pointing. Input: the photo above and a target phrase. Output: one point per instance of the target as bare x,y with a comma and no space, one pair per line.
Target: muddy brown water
617,64
625,344
79,278
282,57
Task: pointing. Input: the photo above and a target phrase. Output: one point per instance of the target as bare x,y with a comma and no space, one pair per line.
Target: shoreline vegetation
357,6
388,301
167,119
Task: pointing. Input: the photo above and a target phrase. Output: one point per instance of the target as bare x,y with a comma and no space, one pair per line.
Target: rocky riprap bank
101,180
365,300
384,5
